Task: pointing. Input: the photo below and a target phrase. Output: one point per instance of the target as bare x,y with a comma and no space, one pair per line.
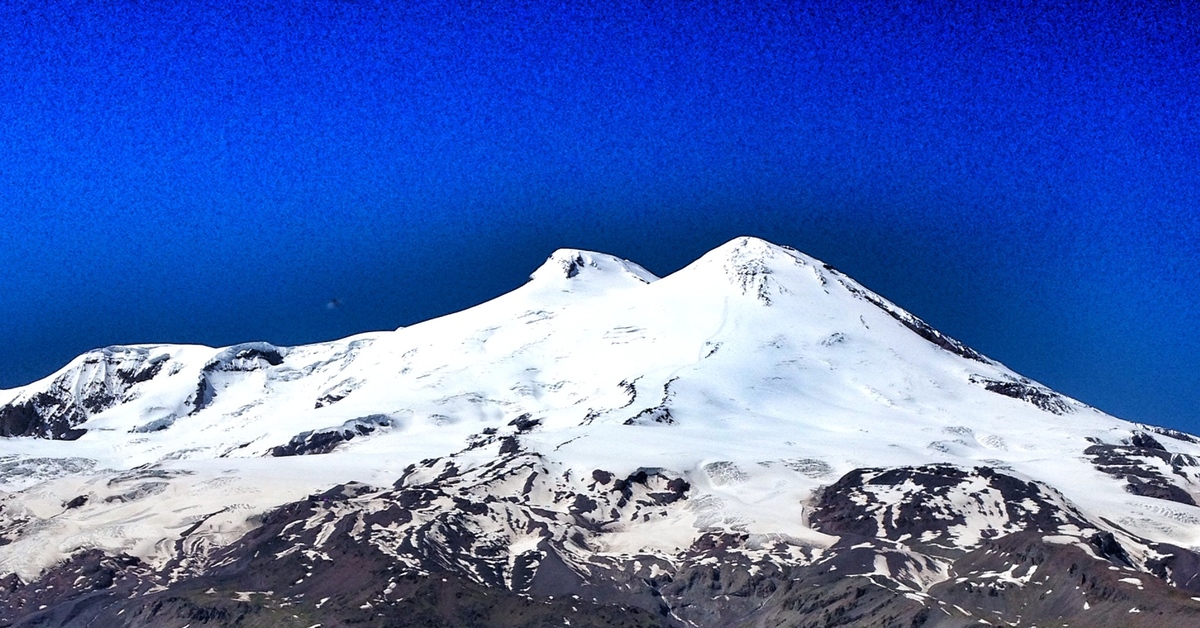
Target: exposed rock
649,416
525,422
44,415
914,324
1136,465
1027,391
249,356
336,393
1169,433
324,441
96,381
945,509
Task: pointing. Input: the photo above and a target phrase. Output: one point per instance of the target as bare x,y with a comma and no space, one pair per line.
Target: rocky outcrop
324,441
1027,391
1139,463
94,382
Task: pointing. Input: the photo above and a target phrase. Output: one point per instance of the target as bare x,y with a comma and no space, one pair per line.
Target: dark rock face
73,589
573,266
525,423
937,504
102,379
44,416
1169,433
649,416
337,393
357,586
1176,566
1138,464
924,330
249,356
659,414
324,441
1143,440
1059,585
243,358
1001,567
1026,391
914,324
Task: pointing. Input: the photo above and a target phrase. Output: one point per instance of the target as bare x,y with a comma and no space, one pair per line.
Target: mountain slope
750,437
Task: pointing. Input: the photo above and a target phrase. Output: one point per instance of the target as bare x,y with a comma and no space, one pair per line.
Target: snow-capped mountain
756,439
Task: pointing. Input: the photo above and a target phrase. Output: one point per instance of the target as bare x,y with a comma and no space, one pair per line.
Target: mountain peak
752,265
572,263
750,246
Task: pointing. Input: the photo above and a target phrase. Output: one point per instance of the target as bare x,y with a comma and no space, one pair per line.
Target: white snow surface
757,372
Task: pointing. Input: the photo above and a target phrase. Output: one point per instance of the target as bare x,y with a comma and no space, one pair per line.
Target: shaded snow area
754,436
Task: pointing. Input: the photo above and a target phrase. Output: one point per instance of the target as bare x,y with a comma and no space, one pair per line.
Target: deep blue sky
1026,179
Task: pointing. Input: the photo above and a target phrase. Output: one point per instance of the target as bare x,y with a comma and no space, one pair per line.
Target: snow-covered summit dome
757,268
572,263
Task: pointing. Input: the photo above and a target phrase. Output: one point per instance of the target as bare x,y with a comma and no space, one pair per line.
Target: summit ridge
569,263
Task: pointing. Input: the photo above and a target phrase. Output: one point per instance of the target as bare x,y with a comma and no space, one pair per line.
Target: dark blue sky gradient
1026,179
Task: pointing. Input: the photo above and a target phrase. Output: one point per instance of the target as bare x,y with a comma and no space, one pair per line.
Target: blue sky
1026,178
